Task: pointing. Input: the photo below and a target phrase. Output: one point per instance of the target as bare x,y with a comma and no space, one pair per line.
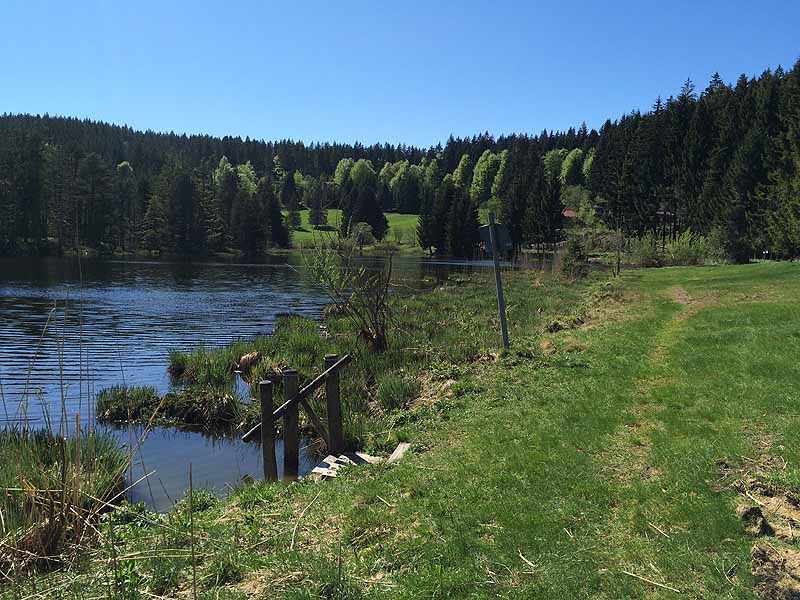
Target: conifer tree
290,202
462,225
94,193
277,233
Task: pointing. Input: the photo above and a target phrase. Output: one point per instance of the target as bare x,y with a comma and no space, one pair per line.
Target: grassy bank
376,389
644,447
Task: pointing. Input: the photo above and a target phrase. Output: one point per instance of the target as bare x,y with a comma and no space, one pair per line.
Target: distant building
569,213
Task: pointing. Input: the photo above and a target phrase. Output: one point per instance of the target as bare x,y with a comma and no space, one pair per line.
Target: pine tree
226,193
94,193
289,201
462,225
124,218
277,233
443,201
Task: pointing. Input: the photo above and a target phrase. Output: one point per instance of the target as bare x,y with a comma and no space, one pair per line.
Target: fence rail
289,412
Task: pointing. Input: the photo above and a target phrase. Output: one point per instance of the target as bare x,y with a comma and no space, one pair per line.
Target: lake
70,328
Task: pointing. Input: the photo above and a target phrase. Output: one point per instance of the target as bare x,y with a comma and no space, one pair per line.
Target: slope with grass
404,225
624,448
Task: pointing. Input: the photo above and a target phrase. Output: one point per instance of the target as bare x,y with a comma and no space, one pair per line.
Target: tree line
722,162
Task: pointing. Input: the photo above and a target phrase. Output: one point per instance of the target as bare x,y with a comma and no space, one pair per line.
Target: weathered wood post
501,303
267,432
291,429
334,406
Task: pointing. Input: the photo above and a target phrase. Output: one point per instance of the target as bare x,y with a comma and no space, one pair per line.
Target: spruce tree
277,233
461,235
289,201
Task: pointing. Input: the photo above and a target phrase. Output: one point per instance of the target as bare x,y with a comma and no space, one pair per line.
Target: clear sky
400,71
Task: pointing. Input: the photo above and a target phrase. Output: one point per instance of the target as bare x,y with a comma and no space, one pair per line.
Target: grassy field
640,440
406,225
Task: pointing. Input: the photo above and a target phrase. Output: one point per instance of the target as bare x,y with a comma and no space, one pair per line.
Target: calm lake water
68,330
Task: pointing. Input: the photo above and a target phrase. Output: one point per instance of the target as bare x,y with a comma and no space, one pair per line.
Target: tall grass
209,407
121,403
52,489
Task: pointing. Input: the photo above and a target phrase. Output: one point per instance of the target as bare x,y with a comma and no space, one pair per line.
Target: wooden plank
291,427
369,458
267,432
321,473
330,459
398,453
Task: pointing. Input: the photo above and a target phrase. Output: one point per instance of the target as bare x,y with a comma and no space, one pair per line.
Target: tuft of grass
396,392
53,490
207,407
121,403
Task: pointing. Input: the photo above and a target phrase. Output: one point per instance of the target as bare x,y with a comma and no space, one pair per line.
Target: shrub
575,263
644,251
688,248
361,293
715,246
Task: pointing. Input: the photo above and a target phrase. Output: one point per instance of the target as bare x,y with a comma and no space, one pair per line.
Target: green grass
120,403
405,224
212,407
590,456
53,490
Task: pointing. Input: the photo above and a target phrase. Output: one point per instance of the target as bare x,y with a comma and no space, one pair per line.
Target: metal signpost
496,235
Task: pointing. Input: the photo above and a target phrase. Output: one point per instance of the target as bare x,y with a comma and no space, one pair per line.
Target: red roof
569,213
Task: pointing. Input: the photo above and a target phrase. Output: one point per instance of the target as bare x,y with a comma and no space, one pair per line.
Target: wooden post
334,405
291,429
267,432
501,303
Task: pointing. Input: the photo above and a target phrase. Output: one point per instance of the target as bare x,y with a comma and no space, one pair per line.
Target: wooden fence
289,412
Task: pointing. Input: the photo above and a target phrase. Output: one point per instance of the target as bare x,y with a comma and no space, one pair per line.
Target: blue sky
406,71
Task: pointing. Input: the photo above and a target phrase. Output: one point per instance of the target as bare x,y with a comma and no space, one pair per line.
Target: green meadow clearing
639,440
405,225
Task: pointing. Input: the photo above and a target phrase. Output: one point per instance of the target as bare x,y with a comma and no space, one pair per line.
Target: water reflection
218,463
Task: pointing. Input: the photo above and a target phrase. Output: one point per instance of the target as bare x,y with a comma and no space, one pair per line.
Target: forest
721,162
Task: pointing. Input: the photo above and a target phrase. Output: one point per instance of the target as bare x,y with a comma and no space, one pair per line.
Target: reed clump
206,407
121,403
52,491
